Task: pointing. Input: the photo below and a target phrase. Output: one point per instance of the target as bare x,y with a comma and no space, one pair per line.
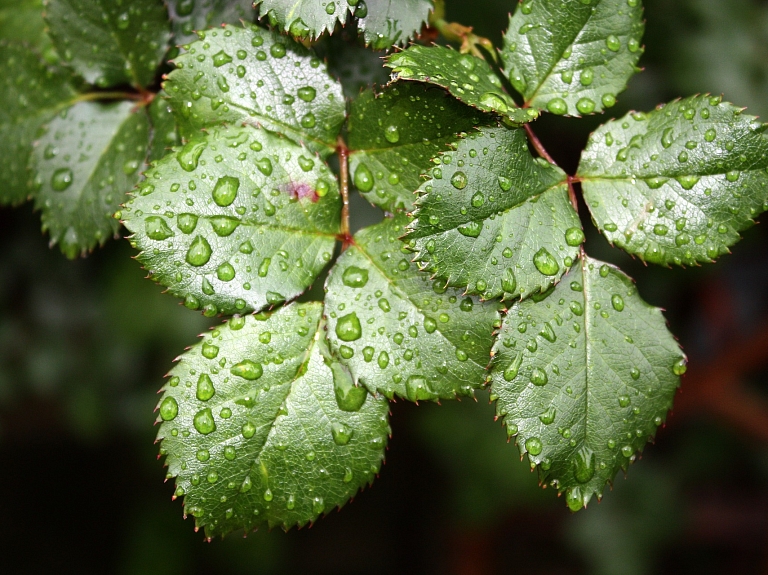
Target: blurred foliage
84,346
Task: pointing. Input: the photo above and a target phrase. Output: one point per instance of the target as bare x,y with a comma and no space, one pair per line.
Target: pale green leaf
573,56
236,220
677,185
398,332
305,18
257,432
251,75
495,220
31,94
584,378
466,77
385,23
90,156
22,21
108,42
394,135
190,15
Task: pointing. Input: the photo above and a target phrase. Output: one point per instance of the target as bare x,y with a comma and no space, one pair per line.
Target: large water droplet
534,446
348,327
545,262
363,178
221,58
186,223
557,106
205,390
574,237
225,191
354,277
157,229
199,252
169,409
307,93
349,397
459,180
539,376
416,388
392,134
247,369
341,433
189,156
203,421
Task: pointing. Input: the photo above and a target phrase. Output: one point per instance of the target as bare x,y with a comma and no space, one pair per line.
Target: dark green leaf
190,15
466,77
90,156
573,57
385,23
252,75
108,42
305,18
394,135
398,332
165,134
31,94
677,185
495,220
236,220
257,432
584,377
22,21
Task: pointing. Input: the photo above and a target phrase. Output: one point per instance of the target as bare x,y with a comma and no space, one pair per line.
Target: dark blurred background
84,346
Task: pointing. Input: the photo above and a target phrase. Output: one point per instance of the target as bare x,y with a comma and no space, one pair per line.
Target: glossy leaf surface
256,430
677,185
190,15
394,135
251,75
236,220
385,23
108,42
305,18
495,220
32,94
574,56
466,77
584,378
83,166
398,332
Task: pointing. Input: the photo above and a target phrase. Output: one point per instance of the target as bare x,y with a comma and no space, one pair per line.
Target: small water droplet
61,179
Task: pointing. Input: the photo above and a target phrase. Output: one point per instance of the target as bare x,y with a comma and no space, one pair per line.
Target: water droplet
545,262
584,465
617,302
574,237
416,388
430,325
493,101
277,50
478,200
189,156
471,229
585,106
225,191
247,369
355,277
459,180
318,505
225,272
539,376
363,178
157,229
667,138
687,182
61,179
548,416
265,166
169,409
205,390
199,252
348,327
587,77
341,433
509,281
383,360
392,134
307,93
680,367
627,451
557,106
613,43
533,446
224,225
308,120
203,421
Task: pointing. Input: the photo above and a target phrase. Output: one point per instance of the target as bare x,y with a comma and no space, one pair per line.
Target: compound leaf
385,23
251,75
495,220
32,94
398,332
236,220
256,430
393,136
466,77
190,15
677,185
573,57
584,377
110,43
88,159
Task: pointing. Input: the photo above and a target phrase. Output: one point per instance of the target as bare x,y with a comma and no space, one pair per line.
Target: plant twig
537,145
343,151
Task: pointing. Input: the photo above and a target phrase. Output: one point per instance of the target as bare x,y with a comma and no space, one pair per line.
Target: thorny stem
341,148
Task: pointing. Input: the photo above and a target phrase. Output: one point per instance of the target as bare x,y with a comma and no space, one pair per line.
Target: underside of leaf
584,377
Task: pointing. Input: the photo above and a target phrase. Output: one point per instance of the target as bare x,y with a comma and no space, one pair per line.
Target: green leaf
305,18
584,378
466,77
221,78
677,185
385,23
165,134
257,432
22,21
394,135
381,22
236,220
398,332
90,156
573,57
31,94
110,43
495,220
190,15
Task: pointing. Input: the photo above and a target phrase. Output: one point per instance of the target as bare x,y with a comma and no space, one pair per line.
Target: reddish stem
344,236
537,145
